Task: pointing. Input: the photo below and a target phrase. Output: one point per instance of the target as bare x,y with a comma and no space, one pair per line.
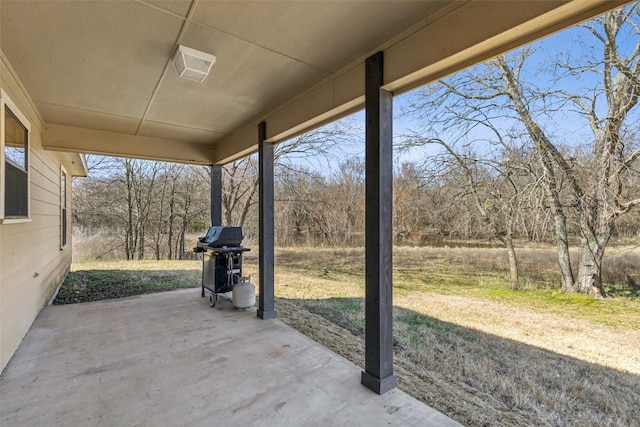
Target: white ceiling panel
101,56
179,7
79,117
325,34
244,79
177,133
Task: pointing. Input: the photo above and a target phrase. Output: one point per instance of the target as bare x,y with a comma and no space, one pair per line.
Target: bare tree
505,102
347,190
597,185
194,200
240,187
139,180
491,186
240,178
163,197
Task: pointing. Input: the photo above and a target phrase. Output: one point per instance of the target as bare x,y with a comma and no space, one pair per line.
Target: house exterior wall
32,263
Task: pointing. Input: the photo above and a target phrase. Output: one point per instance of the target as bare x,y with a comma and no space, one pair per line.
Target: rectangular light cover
193,64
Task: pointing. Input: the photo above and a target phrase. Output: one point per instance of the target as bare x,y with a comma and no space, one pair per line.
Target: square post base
377,385
266,315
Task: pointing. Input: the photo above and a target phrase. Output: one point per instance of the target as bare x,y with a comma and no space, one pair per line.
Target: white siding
32,266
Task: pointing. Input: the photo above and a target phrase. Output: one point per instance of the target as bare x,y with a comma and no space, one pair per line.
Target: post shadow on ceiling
378,374
266,307
216,195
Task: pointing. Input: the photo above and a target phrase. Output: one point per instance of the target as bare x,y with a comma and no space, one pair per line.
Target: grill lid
218,236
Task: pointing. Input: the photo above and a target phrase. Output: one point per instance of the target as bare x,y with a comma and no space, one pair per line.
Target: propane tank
244,294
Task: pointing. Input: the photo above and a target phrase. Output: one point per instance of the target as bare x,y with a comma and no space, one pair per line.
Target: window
14,143
63,208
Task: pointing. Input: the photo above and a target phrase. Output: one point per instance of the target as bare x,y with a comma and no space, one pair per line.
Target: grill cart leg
202,281
230,269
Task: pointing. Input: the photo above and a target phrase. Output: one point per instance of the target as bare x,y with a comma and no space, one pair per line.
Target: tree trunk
590,269
564,256
596,226
514,279
130,248
172,215
247,204
141,246
547,152
181,251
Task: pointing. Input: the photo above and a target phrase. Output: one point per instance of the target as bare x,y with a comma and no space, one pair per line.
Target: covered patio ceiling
101,73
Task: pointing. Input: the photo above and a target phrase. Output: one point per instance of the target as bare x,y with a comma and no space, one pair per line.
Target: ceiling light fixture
193,64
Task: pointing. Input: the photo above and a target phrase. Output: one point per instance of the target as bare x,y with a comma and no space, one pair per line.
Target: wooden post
378,374
266,306
216,195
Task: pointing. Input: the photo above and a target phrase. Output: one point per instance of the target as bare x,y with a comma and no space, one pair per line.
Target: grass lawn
100,280
464,343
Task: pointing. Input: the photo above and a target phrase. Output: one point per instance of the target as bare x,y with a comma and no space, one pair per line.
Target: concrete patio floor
169,359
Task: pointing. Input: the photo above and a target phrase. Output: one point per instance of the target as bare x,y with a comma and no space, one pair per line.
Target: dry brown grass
103,246
480,379
471,348
106,246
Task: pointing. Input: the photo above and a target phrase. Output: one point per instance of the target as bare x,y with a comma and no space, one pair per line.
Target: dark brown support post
215,204
266,306
378,374
216,195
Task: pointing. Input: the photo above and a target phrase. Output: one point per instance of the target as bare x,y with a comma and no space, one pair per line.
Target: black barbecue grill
221,252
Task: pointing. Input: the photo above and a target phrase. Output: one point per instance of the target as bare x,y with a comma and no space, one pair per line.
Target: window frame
64,208
6,102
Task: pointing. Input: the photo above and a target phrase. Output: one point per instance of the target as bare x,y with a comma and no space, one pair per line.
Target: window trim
64,208
6,102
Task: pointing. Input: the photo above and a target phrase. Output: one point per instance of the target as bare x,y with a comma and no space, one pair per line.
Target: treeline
153,208
145,208
429,208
